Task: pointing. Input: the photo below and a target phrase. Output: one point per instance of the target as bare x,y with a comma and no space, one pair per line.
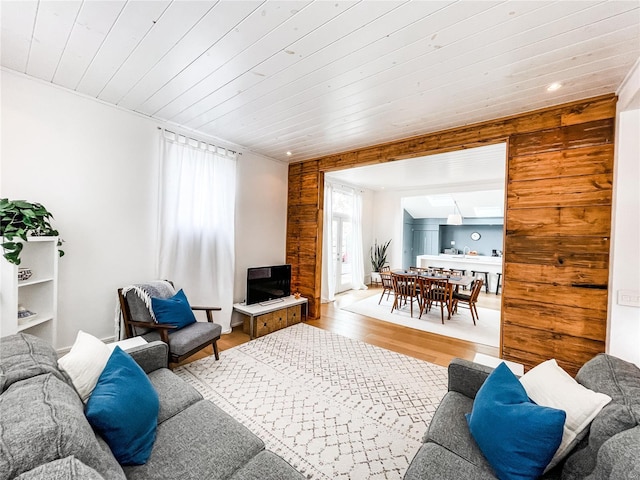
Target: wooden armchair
138,320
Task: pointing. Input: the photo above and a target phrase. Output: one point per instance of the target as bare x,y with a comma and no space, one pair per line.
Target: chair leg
215,349
476,310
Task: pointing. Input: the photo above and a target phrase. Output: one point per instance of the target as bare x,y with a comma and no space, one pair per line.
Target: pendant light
455,218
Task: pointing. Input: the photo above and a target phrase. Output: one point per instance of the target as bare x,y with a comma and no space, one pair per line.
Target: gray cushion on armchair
189,337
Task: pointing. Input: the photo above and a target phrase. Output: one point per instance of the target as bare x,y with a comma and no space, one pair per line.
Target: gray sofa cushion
174,393
433,462
24,356
449,429
619,457
188,338
466,377
151,356
267,466
621,381
68,468
201,442
42,420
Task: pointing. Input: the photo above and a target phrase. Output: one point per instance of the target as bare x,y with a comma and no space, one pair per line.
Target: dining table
456,280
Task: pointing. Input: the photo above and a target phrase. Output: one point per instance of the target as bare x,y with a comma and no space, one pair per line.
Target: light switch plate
629,298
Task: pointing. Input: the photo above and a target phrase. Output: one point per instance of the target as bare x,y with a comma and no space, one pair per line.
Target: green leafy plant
379,255
20,219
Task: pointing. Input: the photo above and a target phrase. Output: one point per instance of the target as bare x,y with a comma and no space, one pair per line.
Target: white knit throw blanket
144,291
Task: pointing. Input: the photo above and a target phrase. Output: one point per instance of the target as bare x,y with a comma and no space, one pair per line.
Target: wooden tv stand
267,317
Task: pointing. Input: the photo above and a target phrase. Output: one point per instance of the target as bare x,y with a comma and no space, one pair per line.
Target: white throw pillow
550,386
85,362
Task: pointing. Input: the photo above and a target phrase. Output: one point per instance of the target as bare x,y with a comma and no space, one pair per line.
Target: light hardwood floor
408,341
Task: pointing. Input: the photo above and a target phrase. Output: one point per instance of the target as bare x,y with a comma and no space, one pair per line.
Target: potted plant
378,255
19,220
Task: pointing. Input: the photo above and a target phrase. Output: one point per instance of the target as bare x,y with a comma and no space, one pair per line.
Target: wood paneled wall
557,223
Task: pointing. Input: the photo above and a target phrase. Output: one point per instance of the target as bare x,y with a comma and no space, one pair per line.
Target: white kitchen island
479,263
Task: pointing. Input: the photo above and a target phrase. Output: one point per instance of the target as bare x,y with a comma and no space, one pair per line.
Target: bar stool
475,273
498,284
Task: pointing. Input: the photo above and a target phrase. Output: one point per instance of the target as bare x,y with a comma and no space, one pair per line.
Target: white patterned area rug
333,407
486,331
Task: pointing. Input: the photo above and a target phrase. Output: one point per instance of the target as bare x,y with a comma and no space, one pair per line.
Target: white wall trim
629,90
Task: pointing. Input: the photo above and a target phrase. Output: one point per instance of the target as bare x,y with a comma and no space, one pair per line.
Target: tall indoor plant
378,255
20,219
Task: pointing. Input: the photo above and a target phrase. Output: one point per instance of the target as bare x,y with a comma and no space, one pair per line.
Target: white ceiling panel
205,34
178,20
17,33
317,77
50,35
253,28
265,57
91,28
337,37
129,29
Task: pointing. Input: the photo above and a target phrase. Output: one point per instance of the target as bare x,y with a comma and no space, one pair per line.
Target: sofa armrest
152,356
467,377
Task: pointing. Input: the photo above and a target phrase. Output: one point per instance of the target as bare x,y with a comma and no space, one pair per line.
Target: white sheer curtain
357,253
196,222
328,287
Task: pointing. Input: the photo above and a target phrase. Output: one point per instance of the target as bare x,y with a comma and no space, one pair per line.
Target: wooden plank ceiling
317,77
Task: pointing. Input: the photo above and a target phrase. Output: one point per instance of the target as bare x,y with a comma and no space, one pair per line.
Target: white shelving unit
38,294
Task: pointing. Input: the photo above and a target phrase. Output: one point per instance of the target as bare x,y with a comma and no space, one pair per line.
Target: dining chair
405,290
436,290
471,299
387,285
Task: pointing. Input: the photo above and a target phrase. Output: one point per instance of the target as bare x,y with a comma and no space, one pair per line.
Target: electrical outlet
629,298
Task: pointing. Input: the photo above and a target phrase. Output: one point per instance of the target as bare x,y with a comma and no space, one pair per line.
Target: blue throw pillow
173,311
123,408
517,437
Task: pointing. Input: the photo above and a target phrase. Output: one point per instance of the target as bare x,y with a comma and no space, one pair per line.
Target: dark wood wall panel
561,221
562,212
566,319
562,163
557,222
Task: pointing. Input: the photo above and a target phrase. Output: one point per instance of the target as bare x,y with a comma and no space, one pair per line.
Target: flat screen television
269,283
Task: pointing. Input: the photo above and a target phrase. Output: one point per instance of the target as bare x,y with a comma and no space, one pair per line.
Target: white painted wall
261,214
388,224
623,338
95,168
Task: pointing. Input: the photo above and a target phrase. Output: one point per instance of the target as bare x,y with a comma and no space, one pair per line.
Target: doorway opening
410,201
342,238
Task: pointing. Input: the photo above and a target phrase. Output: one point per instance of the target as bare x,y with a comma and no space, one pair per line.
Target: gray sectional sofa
44,433
611,449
